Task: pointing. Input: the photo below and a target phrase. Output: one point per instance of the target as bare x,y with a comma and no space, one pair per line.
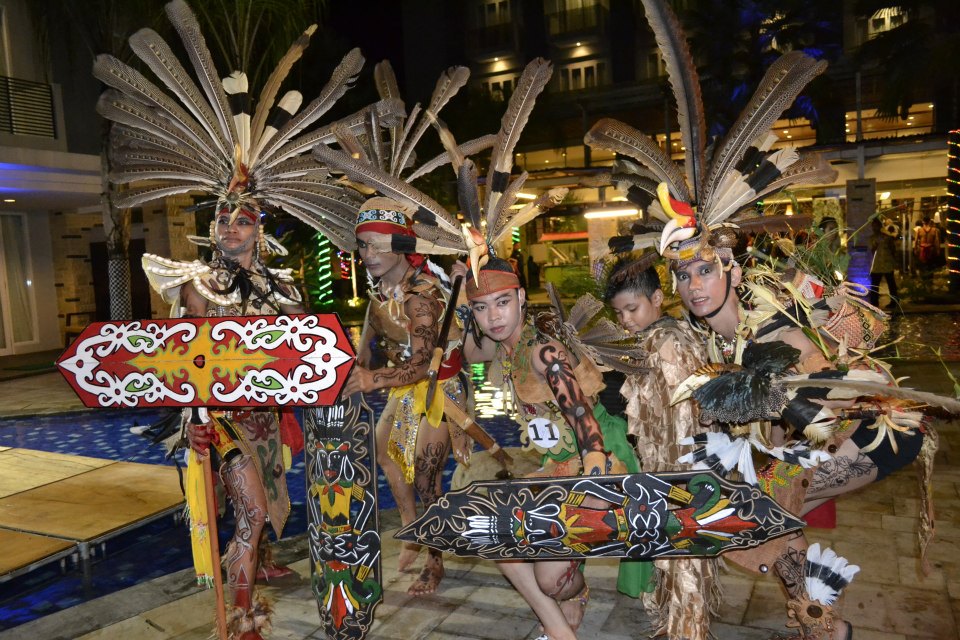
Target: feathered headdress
437,230
715,183
388,165
599,340
207,139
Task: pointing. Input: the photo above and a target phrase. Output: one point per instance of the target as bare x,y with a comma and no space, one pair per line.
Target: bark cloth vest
406,404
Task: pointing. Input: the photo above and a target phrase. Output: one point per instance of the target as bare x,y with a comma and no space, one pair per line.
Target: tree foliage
919,59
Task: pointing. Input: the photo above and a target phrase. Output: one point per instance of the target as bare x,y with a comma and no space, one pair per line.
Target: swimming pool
163,546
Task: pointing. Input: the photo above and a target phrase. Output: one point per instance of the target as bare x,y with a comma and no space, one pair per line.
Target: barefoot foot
574,608
429,577
408,555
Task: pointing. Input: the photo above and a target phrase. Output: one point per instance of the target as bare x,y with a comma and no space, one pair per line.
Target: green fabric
614,430
635,576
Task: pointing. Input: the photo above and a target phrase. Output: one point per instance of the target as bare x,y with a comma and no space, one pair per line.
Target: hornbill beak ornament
683,222
476,248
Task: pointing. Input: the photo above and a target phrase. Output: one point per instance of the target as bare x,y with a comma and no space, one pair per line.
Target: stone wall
70,236
165,230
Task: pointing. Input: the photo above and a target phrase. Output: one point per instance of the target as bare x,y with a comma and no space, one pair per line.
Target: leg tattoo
249,508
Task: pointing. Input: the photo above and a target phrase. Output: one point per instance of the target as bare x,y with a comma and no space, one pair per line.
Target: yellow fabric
419,391
199,525
411,403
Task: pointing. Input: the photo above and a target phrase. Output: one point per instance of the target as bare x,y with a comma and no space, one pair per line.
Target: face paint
238,238
377,262
702,287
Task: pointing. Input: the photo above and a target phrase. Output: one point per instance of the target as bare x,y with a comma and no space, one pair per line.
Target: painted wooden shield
642,516
244,361
344,531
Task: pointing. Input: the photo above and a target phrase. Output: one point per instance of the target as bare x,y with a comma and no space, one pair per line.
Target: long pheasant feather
449,83
386,82
532,82
784,80
131,82
618,137
686,88
147,45
324,135
270,89
499,218
114,106
388,185
469,148
544,201
186,25
339,82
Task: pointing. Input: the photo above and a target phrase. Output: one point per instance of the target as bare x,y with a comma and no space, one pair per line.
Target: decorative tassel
196,512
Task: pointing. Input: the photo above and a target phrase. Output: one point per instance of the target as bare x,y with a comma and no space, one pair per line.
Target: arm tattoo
424,314
839,471
574,406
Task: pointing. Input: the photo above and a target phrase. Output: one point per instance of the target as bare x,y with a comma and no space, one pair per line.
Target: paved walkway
889,600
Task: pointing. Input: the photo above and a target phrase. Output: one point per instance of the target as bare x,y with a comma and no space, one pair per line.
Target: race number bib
543,433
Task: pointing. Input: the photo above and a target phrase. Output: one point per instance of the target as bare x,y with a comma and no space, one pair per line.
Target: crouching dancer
551,397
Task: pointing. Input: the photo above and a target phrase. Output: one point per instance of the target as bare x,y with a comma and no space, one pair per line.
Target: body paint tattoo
570,399
427,468
424,314
566,579
789,567
839,471
241,554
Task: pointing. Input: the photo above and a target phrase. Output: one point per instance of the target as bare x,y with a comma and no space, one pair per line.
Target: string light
345,264
952,217
323,287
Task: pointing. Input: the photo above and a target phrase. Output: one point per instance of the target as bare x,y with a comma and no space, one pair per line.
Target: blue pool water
163,546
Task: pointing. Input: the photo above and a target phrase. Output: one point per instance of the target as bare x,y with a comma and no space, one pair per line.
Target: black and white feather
826,574
193,132
739,169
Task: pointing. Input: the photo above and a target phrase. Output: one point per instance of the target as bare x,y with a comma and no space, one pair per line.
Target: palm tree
103,27
919,59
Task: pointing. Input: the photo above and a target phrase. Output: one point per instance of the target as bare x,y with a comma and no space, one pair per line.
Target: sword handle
433,373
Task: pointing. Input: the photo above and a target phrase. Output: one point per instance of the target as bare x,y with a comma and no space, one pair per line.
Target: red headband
491,281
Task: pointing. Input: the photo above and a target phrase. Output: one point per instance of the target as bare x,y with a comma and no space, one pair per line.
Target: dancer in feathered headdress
790,349
489,220
199,135
427,395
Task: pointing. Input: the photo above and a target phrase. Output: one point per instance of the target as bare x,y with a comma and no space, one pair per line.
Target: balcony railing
27,108
573,21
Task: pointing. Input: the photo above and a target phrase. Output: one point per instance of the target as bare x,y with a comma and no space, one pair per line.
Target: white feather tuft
826,574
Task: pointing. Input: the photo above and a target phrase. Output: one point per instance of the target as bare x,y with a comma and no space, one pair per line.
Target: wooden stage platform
54,505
